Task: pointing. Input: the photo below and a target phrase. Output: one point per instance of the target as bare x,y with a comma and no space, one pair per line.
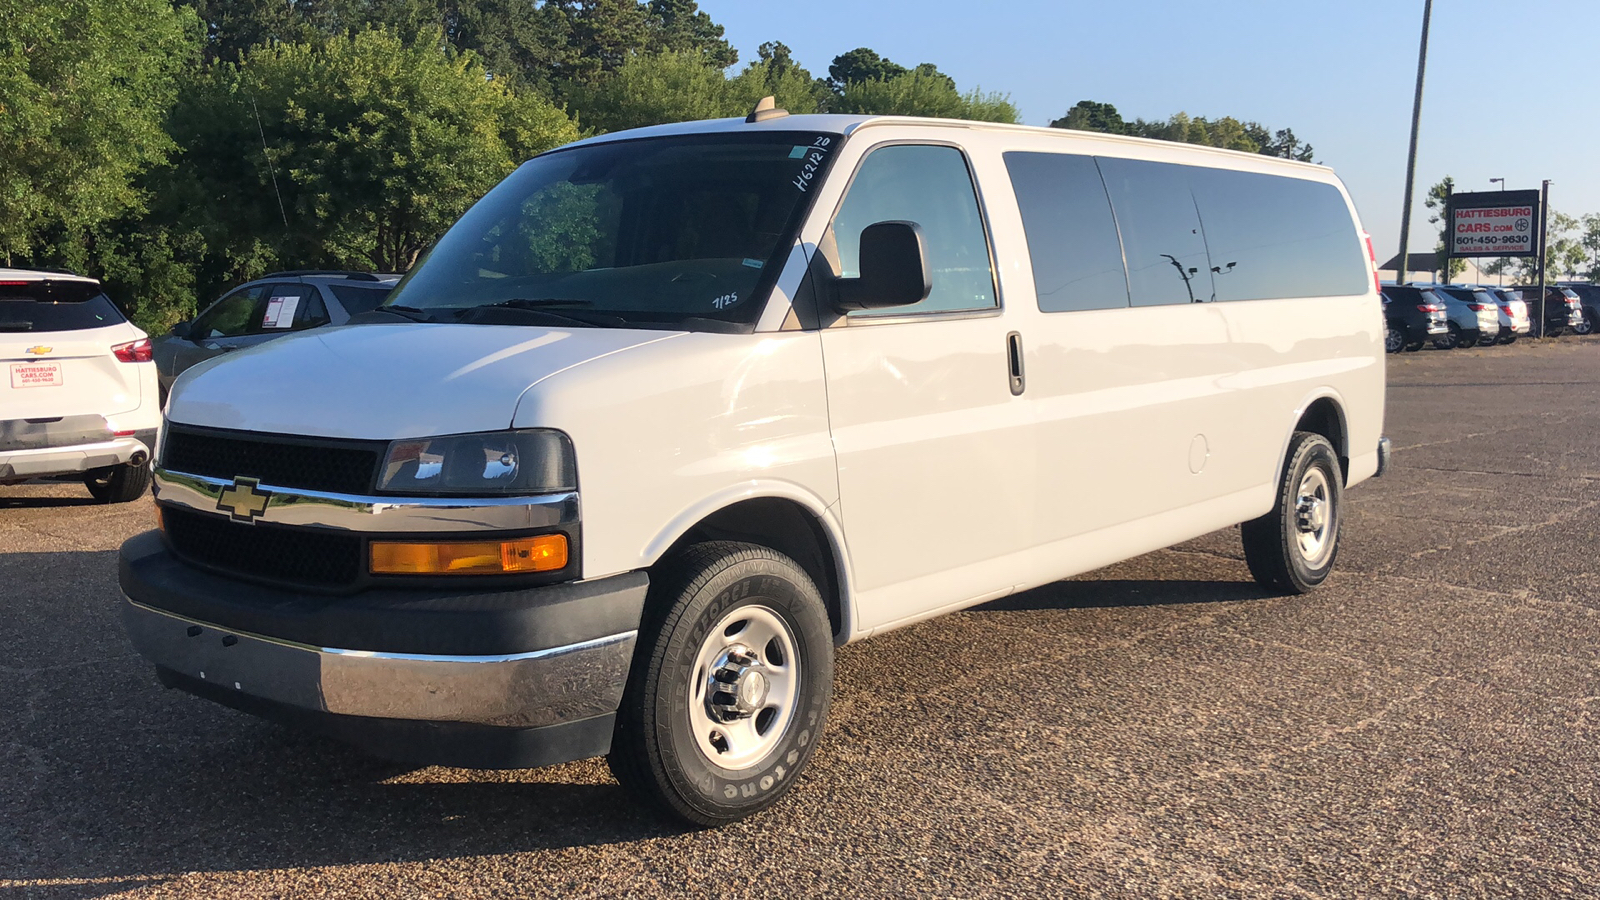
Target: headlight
500,462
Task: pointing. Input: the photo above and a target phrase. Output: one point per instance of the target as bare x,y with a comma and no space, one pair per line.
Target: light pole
1411,159
1502,259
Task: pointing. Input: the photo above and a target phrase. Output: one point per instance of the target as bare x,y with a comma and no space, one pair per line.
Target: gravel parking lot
1423,725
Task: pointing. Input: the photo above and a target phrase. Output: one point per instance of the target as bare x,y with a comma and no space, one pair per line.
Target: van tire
1292,549
117,484
696,596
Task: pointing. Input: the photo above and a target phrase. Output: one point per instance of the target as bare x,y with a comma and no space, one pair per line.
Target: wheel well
784,526
1324,417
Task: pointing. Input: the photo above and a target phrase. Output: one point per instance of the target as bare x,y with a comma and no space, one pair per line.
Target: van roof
850,124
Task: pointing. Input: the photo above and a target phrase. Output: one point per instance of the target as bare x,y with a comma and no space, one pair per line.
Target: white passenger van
672,413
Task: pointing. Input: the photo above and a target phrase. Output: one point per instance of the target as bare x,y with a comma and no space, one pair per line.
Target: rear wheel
1394,341
1292,548
1449,340
730,684
1489,340
1586,325
117,484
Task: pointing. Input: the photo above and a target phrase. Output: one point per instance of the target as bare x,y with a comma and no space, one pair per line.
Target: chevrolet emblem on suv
243,500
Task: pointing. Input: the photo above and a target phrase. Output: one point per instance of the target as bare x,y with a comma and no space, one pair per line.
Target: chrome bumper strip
350,512
522,690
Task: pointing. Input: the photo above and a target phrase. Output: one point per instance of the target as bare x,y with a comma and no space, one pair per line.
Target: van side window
1271,236
928,185
1072,237
1161,237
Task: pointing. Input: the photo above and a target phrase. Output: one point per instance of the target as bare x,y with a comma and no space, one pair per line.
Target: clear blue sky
1511,88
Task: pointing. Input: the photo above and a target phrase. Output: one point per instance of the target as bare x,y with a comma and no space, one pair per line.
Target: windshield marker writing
813,163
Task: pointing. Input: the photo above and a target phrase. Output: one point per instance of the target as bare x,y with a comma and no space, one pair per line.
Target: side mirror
180,330
894,269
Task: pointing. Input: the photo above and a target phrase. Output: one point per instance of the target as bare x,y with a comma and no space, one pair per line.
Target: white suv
79,393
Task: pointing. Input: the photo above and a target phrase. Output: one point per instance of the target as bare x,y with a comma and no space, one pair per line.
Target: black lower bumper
480,679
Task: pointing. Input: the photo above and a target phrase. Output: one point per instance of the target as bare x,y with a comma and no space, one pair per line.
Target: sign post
1495,223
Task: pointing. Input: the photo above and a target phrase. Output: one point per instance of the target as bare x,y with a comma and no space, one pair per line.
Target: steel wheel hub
1314,518
745,687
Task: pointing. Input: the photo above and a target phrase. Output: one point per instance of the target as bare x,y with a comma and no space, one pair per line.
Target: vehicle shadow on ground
254,795
111,783
13,501
1111,593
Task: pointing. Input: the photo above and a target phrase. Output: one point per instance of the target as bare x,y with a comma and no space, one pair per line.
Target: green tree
861,64
681,27
355,153
922,93
1227,132
1437,201
84,88
1089,115
655,88
1590,241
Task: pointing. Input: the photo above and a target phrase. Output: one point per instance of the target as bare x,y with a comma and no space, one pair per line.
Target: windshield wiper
541,308
410,313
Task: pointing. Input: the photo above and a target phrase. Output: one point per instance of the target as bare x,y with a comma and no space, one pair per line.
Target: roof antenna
766,108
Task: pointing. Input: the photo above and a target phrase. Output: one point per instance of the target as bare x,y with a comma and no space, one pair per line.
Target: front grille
334,466
304,556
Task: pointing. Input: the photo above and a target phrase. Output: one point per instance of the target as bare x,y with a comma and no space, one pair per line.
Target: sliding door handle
1014,359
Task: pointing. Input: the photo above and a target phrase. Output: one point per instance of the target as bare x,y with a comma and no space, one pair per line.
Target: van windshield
677,233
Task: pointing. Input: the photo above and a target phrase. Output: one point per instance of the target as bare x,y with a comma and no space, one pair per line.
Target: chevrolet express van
672,413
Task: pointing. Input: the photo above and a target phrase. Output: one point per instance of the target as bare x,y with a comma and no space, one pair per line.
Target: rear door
55,352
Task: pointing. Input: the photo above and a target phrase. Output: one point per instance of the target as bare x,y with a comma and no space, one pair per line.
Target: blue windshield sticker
754,263
798,152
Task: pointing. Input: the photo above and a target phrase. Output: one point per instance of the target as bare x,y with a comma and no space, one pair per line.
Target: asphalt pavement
1424,725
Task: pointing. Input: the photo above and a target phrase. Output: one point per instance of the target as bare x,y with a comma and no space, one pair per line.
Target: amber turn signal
545,553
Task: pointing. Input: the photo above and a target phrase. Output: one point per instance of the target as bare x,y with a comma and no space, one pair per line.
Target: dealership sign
1494,223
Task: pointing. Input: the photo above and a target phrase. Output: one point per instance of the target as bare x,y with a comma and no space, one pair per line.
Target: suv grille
303,556
341,467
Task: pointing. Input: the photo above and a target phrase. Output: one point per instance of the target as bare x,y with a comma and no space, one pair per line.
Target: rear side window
358,299
1271,236
1161,239
1072,236
231,316
928,185
55,306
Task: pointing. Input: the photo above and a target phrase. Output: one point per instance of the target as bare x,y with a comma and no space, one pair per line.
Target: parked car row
1452,315
84,388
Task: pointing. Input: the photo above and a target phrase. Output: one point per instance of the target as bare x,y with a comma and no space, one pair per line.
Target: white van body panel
1138,428
674,430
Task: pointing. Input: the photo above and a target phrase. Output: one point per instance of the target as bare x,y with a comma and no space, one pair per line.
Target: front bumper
481,679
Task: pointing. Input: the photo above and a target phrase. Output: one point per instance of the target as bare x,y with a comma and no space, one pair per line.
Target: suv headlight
536,461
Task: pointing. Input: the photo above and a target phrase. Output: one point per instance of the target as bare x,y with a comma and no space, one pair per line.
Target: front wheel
118,484
730,684
1291,549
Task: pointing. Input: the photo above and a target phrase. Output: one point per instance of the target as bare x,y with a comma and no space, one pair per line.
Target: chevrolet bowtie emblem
244,501
40,350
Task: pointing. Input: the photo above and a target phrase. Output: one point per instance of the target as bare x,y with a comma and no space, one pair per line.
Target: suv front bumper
479,679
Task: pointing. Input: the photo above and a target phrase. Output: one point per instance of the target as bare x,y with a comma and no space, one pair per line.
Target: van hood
385,382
